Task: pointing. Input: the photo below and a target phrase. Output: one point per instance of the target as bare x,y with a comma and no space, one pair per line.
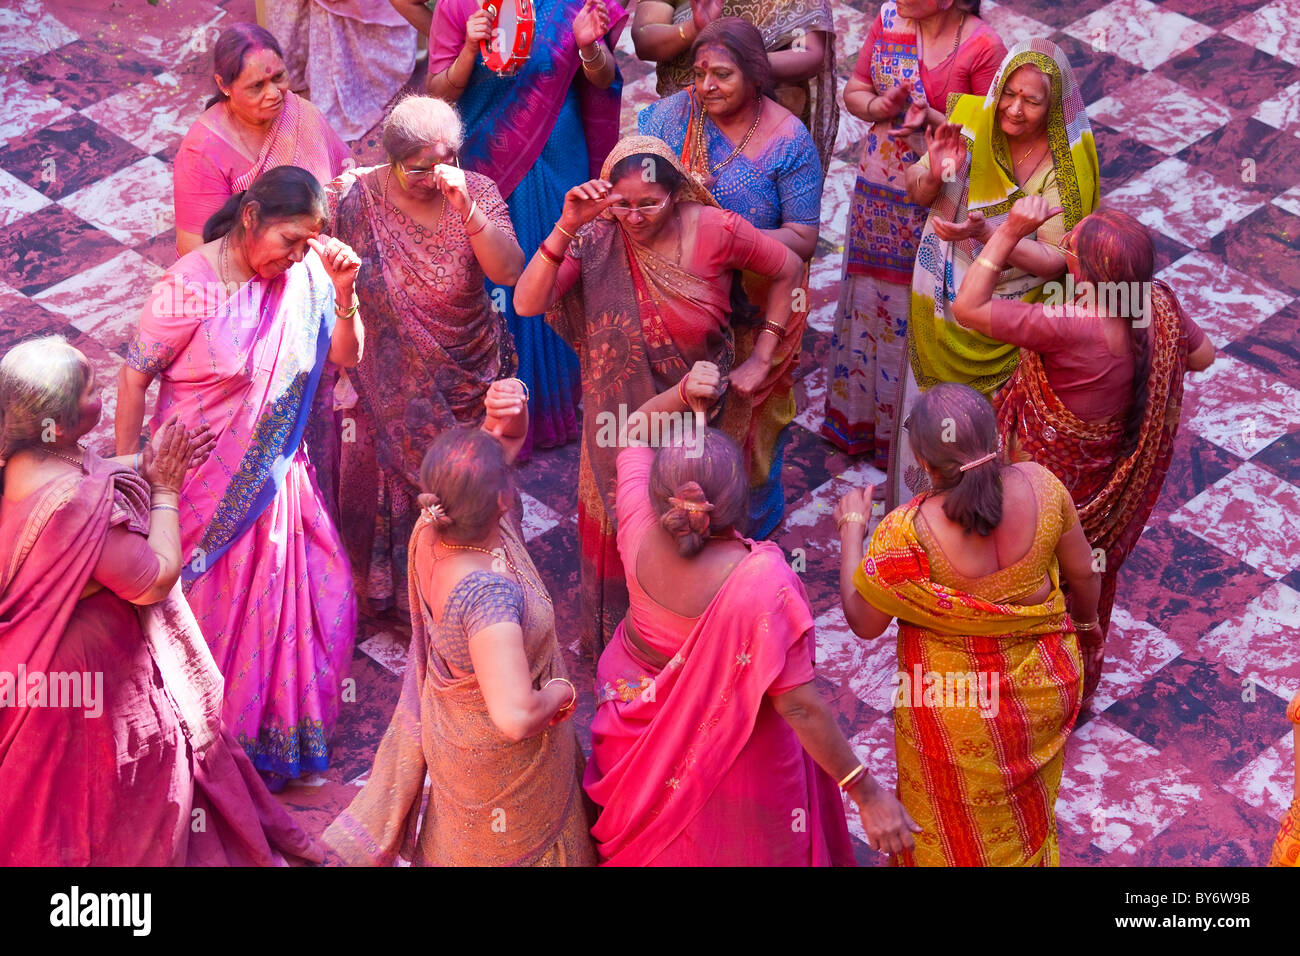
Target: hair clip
978,461
692,506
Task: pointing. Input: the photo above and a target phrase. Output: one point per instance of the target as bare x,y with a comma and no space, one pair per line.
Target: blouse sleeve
166,325
798,669
478,601
485,192
862,69
632,500
745,247
650,121
1195,334
799,181
984,64
1025,324
447,36
199,187
127,566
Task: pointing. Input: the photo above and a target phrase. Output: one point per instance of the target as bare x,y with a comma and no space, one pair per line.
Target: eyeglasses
622,211
415,175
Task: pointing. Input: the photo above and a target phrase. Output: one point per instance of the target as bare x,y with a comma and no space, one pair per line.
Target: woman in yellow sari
990,676
1028,136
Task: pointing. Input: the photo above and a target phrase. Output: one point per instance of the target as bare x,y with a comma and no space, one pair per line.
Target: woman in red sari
638,275
112,751
1097,395
711,745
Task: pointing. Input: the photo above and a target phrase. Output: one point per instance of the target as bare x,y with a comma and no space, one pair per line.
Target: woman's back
1012,563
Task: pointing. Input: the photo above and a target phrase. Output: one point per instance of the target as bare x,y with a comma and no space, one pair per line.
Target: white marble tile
1013,27
874,746
1186,204
810,396
106,300
1268,781
1182,119
1251,514
867,668
1135,650
539,518
1238,406
154,114
1289,200
1226,303
1259,642
1116,790
28,30
131,205
1272,28
17,199
1139,31
389,649
1282,109
26,108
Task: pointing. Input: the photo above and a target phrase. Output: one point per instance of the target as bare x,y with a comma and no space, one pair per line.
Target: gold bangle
857,517
565,232
778,335
522,384
473,208
682,33
587,63
549,256
851,777
348,313
988,264
564,680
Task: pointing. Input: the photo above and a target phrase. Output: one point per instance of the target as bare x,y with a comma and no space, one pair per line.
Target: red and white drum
513,23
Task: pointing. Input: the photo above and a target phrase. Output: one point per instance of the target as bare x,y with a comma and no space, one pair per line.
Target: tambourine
513,24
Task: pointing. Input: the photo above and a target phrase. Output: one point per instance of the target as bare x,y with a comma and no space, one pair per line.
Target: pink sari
143,775
266,573
691,764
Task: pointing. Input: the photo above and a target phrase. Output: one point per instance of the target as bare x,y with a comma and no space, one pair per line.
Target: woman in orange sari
645,291
1286,849
252,124
989,669
1096,396
485,698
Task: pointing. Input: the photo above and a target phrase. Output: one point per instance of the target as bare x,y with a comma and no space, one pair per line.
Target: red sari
135,769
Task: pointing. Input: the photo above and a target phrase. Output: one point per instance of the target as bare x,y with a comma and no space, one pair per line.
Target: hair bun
688,511
434,509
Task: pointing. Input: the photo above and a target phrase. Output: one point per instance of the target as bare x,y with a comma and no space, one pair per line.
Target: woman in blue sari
537,133
760,162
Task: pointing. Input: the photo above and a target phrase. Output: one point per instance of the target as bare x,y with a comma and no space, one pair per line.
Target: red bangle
471,235
681,393
549,256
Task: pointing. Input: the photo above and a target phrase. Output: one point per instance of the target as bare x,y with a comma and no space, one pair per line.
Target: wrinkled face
89,408
414,173
720,82
646,207
1024,103
272,248
257,94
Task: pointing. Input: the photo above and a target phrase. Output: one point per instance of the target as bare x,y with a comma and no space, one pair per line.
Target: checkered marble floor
1186,758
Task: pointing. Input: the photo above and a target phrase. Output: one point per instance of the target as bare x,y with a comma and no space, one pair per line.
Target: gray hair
421,121
41,382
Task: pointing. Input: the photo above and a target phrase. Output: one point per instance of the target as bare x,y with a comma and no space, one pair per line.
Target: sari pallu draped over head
491,801
296,138
982,787
505,135
782,23
940,349
1114,493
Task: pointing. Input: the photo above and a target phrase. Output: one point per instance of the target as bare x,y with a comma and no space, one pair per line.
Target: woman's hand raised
1028,214
167,458
341,264
703,386
975,227
451,180
946,149
585,201
478,29
591,23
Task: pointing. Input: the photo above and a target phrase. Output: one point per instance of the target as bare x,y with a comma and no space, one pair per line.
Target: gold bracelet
682,33
348,313
447,73
778,335
549,256
565,232
586,63
988,264
473,208
857,517
851,777
522,384
564,680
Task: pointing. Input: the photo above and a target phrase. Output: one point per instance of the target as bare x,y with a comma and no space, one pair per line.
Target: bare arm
537,289
1201,357
799,238
802,61
852,513
888,826
187,242
165,473
416,13
1078,568
127,422
517,709
452,80
506,415
654,35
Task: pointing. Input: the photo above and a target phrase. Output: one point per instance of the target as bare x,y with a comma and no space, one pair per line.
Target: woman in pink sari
710,743
239,331
252,124
112,751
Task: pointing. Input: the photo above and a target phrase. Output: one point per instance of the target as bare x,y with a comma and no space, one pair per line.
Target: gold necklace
541,591
79,462
744,142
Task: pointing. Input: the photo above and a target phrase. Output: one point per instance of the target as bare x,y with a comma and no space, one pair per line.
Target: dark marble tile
1121,156
49,246
87,71
362,722
1055,13
22,319
851,714
1220,830
67,155
1194,709
1185,586
1098,74
1274,345
809,462
160,249
1248,154
1282,457
1219,13
1196,464
551,476
1168,249
1265,245
1229,72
